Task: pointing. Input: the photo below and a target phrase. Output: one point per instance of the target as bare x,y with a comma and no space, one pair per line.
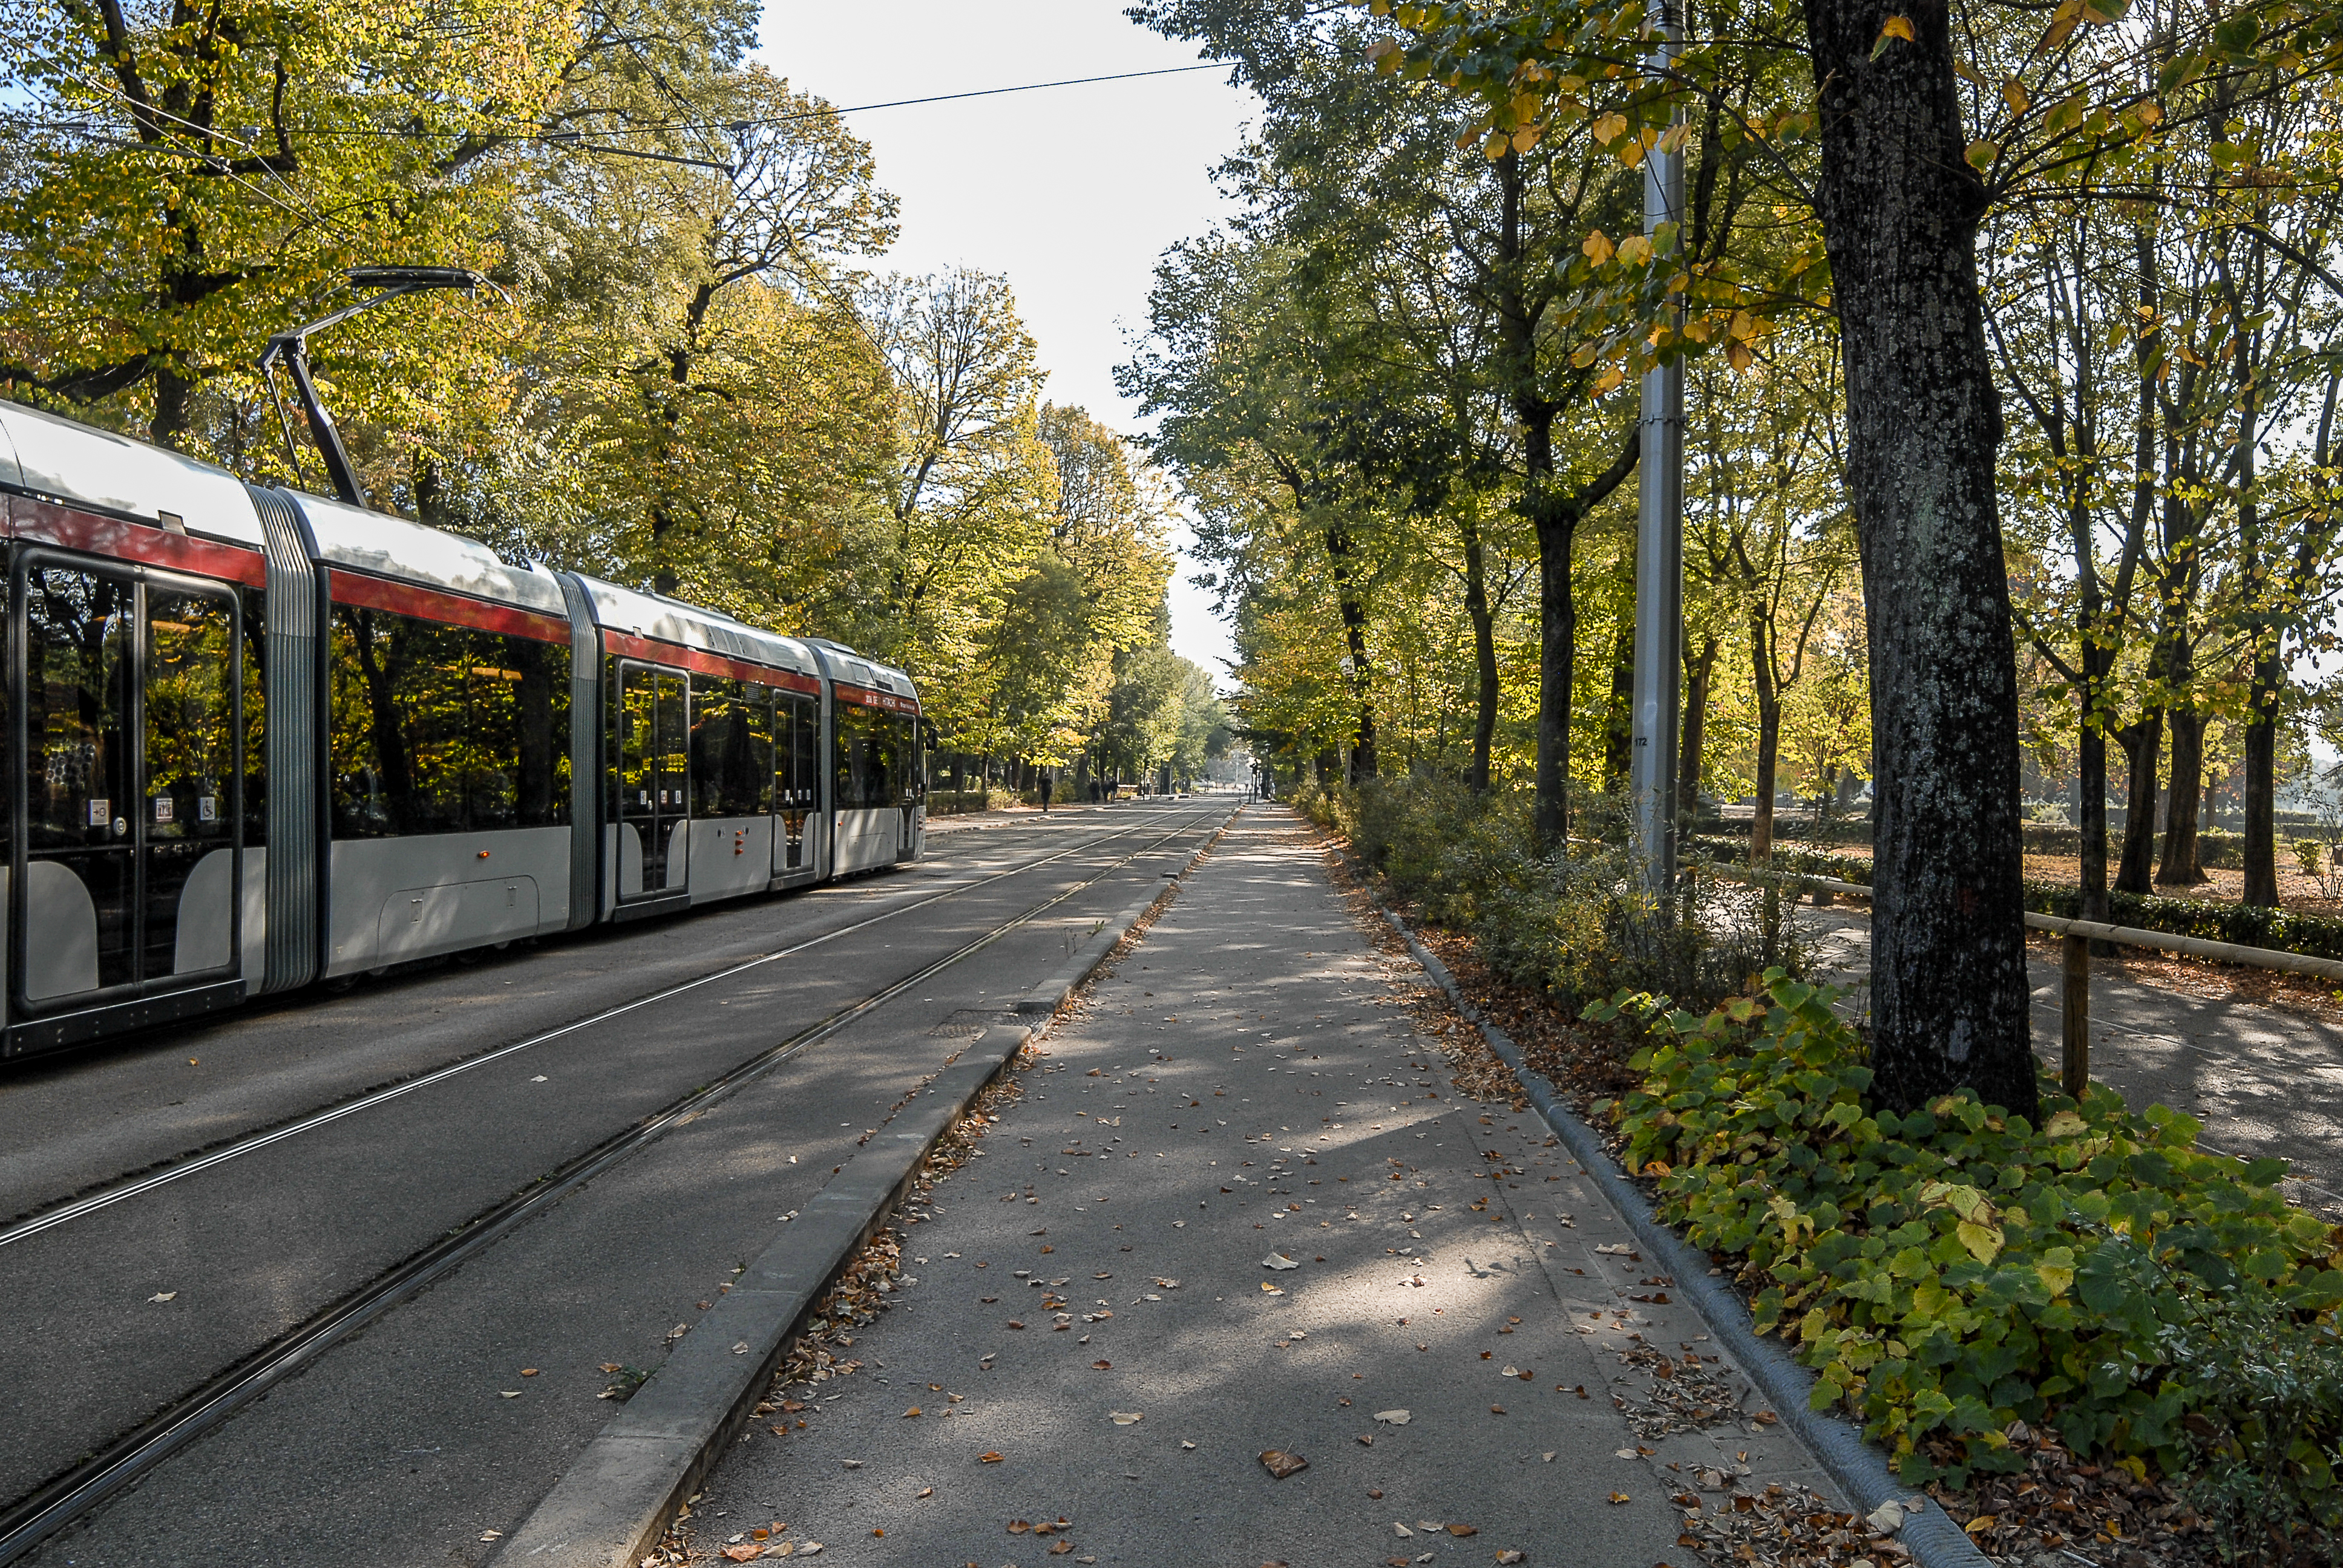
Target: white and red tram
257,738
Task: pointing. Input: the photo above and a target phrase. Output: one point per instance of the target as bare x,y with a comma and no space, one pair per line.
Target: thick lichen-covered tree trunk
1900,208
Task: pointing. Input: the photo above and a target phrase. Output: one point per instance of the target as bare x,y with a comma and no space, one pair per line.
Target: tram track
74,1493
134,1184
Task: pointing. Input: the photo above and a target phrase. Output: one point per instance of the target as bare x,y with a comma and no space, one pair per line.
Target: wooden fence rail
2075,937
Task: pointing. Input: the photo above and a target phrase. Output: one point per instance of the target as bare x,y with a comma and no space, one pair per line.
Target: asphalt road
1244,1089
401,1444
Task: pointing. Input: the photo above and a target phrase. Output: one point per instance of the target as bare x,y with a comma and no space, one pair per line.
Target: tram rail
53,1506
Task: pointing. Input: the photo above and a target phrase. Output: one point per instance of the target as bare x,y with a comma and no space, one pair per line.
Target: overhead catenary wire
659,127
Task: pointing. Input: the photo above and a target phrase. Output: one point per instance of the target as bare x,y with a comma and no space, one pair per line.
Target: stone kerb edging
1859,1468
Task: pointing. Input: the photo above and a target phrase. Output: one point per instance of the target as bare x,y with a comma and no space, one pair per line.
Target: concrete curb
616,1499
1860,1470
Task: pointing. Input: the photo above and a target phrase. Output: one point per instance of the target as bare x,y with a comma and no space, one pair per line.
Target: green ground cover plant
1952,1271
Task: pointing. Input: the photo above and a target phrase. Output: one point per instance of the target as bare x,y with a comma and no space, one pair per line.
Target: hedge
2245,925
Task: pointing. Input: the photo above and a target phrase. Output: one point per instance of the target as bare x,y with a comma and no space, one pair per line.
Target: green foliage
1577,925
2264,1480
1948,1272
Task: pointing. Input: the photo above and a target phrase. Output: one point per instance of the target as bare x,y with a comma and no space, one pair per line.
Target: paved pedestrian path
1241,1210
2266,1082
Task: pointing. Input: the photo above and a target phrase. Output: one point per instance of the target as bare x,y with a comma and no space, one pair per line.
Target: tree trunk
1339,552
1769,747
1900,207
2261,783
2180,864
2143,744
1619,715
1484,658
2091,769
1557,655
1698,668
172,415
1556,515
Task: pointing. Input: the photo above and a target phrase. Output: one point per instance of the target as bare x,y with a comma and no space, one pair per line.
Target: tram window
252,610
865,755
441,728
517,772
911,762
76,702
731,747
803,745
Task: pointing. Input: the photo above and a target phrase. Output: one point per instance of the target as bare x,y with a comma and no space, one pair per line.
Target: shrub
1577,925
1955,1270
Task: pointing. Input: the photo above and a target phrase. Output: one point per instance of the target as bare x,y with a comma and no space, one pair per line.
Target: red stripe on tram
453,609
69,528
677,656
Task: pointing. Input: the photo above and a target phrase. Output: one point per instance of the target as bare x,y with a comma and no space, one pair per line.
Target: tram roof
44,455
842,663
688,626
384,545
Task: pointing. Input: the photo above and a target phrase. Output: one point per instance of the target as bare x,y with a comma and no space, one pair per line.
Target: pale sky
1072,192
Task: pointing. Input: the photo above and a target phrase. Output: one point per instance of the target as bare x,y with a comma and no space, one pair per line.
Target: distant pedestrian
1045,794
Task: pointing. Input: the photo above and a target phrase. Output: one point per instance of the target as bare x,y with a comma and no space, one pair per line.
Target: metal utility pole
1659,532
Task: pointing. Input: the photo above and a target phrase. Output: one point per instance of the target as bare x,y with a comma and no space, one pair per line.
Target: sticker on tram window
101,812
207,808
162,808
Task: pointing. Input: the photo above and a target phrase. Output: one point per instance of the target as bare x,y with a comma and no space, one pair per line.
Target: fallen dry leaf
987,1459
1461,1530
1511,1555
1618,1497
1393,1417
164,1296
927,1491
1279,1261
1101,1366
1281,1464
1125,1417
911,1413
747,1551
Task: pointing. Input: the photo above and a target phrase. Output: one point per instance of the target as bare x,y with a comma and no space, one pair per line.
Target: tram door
654,751
797,752
130,764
